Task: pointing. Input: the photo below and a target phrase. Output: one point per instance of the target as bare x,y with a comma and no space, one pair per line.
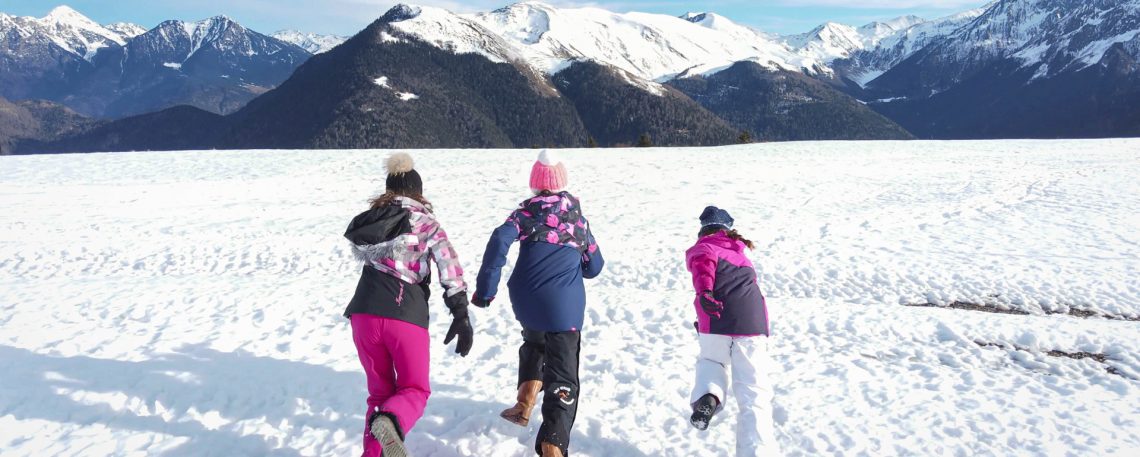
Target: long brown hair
388,197
731,233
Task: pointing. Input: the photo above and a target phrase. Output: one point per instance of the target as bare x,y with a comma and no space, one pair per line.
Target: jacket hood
721,240
378,233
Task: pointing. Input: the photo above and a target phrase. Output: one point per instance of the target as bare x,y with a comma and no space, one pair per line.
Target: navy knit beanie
713,216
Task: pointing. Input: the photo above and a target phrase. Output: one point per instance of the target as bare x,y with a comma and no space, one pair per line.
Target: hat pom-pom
399,163
548,158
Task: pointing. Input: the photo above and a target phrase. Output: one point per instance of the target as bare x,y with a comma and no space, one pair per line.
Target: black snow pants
553,358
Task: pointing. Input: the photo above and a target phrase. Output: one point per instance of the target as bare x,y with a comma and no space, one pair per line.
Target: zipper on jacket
400,296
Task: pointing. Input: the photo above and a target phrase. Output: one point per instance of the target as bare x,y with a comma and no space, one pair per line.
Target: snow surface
189,303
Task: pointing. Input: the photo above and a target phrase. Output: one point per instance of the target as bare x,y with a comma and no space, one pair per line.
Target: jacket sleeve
592,260
447,262
494,258
701,262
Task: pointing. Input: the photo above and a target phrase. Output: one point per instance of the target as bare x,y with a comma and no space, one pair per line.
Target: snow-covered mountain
994,51
315,43
1024,68
832,40
123,69
1049,36
652,47
1053,36
175,44
885,44
66,29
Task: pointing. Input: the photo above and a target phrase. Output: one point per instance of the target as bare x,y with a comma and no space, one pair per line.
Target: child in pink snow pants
732,328
396,238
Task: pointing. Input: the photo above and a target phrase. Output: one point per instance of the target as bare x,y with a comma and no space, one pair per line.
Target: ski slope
188,304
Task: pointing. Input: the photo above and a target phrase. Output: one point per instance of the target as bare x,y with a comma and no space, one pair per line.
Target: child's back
718,264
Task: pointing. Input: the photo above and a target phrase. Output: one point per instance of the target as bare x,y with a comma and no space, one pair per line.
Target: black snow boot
703,411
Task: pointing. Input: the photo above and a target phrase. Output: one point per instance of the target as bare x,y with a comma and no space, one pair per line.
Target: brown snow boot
519,414
550,450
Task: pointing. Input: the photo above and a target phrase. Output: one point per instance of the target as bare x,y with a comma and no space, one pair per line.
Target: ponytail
738,237
731,233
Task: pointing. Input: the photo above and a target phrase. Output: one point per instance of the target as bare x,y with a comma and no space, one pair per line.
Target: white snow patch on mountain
383,81
126,30
313,42
174,65
189,303
1092,53
865,77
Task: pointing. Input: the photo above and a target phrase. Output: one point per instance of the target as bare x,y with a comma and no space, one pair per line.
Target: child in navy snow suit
395,239
732,327
557,250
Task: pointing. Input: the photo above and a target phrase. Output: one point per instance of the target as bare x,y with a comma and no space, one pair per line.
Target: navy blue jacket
546,288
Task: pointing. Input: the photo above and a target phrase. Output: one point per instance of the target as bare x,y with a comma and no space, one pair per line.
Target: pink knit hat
548,173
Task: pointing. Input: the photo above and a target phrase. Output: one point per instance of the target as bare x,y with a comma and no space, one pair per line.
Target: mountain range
123,69
531,74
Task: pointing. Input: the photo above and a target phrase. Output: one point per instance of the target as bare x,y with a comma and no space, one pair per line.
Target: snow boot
550,450
703,411
519,414
384,429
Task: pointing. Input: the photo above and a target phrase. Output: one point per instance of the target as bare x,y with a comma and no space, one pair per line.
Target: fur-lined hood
388,232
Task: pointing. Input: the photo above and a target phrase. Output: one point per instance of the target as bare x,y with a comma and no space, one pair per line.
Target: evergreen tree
644,141
744,138
591,142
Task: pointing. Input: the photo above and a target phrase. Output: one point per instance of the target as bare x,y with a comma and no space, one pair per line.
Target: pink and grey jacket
397,243
718,264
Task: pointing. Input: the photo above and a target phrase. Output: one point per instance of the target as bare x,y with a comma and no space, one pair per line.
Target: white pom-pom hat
402,176
548,173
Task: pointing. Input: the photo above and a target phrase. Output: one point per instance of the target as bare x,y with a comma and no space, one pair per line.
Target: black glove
711,305
461,327
480,302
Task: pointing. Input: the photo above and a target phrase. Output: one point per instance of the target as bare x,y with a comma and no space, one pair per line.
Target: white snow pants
755,429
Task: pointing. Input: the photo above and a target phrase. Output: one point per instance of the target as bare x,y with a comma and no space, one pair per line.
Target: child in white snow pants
732,326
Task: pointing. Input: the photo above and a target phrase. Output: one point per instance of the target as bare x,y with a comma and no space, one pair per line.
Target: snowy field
188,304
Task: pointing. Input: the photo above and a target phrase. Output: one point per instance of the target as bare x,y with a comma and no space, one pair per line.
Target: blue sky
346,17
